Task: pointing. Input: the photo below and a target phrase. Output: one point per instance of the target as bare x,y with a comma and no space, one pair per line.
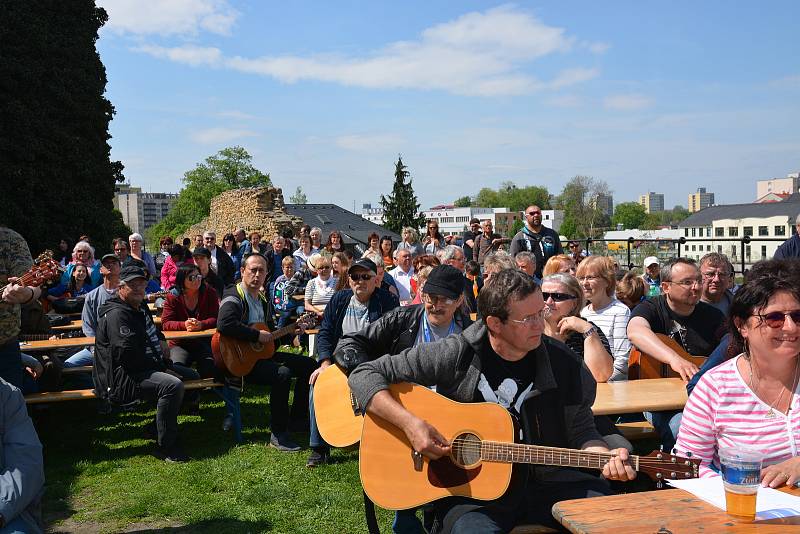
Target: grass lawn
102,478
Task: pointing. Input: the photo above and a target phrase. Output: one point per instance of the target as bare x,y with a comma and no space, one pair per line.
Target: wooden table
632,396
77,324
664,511
50,344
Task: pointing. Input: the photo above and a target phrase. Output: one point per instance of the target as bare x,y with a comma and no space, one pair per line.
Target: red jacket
175,313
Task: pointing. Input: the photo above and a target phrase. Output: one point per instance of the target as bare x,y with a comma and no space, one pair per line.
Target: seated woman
169,270
164,244
560,263
254,245
386,246
563,298
194,308
302,254
340,264
282,300
630,290
334,244
597,277
373,240
321,288
136,242
83,253
751,400
316,239
78,285
411,242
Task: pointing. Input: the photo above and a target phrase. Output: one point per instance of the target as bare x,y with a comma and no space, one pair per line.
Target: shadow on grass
216,525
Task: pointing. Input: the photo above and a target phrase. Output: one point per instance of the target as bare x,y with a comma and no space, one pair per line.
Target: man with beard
536,238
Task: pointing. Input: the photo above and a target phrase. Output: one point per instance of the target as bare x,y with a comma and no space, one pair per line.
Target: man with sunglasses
349,310
503,359
678,312
536,238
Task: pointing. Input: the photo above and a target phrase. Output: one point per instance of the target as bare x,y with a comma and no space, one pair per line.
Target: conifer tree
401,207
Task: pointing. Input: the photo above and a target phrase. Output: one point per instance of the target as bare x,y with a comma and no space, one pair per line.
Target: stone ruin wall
258,209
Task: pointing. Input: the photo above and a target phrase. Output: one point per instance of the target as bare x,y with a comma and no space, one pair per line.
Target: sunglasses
777,319
194,277
557,297
361,277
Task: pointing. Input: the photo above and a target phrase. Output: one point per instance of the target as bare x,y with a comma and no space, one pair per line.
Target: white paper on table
770,504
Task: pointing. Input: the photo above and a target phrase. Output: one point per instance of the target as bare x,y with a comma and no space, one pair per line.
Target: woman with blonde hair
411,242
560,263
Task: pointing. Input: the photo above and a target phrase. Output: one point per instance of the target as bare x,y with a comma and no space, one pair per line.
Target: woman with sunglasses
433,240
598,281
194,308
230,248
751,400
321,288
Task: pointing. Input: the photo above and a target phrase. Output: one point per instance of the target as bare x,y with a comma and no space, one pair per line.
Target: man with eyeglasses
437,317
221,263
714,267
349,310
678,312
536,238
504,359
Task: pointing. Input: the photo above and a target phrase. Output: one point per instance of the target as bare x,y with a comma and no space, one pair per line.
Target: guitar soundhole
257,346
466,450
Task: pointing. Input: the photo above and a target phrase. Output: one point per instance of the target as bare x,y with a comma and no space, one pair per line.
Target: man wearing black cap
202,258
349,310
132,360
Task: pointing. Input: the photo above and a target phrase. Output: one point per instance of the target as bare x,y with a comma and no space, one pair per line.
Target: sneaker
227,423
317,457
283,442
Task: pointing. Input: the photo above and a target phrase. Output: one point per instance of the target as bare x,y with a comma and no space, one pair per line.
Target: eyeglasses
530,319
324,268
364,277
557,297
120,249
688,284
534,213
589,278
715,274
193,277
437,300
777,319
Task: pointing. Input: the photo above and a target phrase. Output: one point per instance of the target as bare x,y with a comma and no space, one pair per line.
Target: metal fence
631,253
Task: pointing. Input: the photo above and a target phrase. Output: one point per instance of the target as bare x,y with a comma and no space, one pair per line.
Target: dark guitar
642,365
44,269
481,436
42,337
239,357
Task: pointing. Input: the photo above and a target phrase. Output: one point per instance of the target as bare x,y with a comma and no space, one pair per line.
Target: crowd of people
516,321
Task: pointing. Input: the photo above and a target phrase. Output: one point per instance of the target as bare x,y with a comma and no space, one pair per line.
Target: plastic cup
741,476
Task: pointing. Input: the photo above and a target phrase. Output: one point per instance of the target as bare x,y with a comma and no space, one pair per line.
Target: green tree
631,215
515,198
582,216
57,175
230,168
463,202
298,197
516,227
401,207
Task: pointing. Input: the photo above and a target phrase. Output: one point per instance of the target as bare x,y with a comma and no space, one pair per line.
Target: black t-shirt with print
698,333
504,382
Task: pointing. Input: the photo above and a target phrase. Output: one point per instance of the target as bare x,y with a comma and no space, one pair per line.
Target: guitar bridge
355,405
417,459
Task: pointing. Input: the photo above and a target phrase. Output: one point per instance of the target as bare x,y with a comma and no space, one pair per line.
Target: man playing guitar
506,360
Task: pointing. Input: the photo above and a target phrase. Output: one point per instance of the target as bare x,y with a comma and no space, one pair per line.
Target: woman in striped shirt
751,400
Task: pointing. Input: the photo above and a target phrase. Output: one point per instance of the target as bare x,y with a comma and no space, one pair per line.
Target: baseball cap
650,260
364,263
130,273
474,220
201,251
444,280
109,257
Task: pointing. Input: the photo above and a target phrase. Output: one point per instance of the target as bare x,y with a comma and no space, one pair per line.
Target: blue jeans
667,425
18,526
11,363
477,523
407,522
315,440
80,359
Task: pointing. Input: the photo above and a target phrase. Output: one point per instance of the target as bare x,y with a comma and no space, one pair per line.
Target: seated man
244,305
132,361
21,465
504,360
349,310
679,314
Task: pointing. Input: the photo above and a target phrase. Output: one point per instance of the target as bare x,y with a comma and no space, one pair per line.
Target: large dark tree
55,168
401,207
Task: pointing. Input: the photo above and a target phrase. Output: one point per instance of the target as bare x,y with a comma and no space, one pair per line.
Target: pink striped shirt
722,411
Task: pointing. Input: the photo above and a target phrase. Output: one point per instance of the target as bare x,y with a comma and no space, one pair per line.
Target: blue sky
662,96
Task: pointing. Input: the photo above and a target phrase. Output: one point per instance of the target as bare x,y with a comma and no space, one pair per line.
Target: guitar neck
493,451
280,332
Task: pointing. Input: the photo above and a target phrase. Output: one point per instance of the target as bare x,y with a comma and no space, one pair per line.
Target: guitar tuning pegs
659,485
674,450
688,454
661,447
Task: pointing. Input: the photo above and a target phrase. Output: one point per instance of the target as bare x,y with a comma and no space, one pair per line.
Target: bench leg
231,398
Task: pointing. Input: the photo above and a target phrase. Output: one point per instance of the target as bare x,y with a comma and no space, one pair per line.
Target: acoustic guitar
479,466
339,416
641,365
44,269
239,356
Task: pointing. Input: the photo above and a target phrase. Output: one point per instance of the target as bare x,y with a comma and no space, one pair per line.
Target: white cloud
169,17
475,54
369,143
598,48
630,102
216,136
188,54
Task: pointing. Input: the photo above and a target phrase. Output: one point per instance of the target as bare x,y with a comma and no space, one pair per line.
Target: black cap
364,263
109,257
474,220
201,251
444,280
131,272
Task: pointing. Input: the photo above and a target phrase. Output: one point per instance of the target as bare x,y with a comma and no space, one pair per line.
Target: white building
773,220
790,185
371,214
140,210
454,221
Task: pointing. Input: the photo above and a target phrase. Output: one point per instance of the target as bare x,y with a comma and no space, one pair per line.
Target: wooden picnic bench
51,344
633,396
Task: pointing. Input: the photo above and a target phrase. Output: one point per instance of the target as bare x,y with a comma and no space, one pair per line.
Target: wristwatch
590,332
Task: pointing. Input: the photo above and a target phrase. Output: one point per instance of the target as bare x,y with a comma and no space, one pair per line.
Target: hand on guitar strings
425,439
618,468
264,337
17,294
685,368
